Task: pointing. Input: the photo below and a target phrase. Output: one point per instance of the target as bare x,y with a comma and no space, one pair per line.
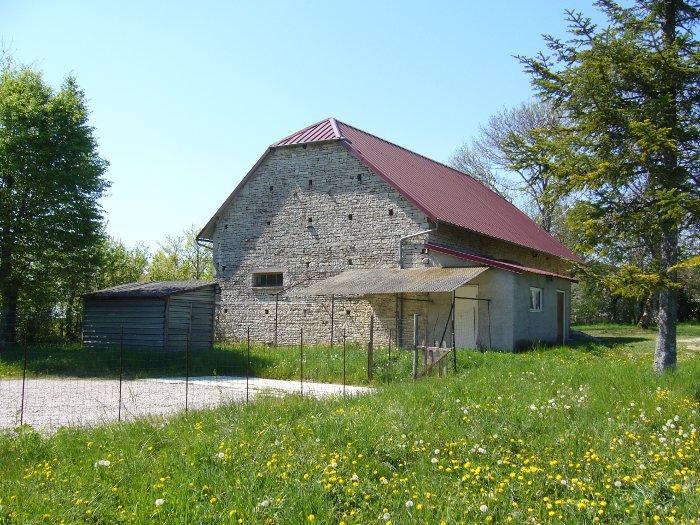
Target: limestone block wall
309,212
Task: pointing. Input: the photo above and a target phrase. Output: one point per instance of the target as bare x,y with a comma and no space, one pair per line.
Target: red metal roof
325,130
494,263
441,192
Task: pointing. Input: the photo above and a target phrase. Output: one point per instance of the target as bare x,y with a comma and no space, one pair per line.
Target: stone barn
164,315
334,225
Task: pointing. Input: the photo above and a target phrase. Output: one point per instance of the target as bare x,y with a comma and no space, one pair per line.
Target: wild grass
567,435
320,362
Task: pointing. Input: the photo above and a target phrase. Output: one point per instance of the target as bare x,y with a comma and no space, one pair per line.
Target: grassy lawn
321,363
568,435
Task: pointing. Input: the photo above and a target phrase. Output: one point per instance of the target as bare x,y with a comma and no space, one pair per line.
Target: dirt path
50,403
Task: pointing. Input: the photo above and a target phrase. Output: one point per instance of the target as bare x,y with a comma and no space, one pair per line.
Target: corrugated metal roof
441,192
156,289
494,263
390,281
327,129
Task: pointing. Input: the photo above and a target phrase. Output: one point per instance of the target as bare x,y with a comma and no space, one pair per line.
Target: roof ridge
331,120
465,174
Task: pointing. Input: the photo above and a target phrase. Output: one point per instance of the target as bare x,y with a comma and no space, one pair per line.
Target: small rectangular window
263,280
391,212
311,183
359,178
535,299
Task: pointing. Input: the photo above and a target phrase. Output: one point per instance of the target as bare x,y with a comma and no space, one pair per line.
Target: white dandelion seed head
386,516
103,463
484,508
159,502
409,504
434,460
618,483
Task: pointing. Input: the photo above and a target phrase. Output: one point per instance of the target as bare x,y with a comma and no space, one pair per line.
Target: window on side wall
267,279
535,299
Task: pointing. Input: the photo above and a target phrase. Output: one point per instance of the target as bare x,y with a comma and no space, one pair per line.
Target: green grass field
584,434
320,363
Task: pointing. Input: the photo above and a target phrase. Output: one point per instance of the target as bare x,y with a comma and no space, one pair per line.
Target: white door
466,316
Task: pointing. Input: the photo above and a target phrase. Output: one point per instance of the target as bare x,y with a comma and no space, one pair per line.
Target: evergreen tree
629,94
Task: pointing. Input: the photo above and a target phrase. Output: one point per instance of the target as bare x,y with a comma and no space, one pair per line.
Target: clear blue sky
185,96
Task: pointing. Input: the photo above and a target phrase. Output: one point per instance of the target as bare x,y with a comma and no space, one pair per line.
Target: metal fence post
415,346
121,371
370,349
24,381
277,304
344,352
247,367
332,319
301,360
187,362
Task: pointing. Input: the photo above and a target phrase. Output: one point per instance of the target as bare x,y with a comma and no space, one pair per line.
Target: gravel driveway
50,403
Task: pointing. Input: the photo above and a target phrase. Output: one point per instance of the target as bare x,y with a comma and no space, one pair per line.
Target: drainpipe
406,237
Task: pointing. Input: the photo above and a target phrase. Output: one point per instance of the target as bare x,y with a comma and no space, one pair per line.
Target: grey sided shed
164,314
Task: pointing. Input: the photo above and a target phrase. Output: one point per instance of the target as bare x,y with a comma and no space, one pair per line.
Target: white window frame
530,301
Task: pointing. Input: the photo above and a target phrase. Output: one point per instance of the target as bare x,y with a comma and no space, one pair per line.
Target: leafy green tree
120,264
181,258
51,177
629,94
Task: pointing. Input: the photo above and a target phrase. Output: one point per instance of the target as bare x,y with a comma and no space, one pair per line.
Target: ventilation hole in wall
391,212
269,222
349,216
225,226
311,183
267,311
304,146
225,310
308,264
349,261
223,267
424,250
359,178
272,188
310,219
347,312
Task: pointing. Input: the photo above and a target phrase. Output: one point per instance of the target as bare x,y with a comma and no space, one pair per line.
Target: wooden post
415,346
370,349
332,317
425,341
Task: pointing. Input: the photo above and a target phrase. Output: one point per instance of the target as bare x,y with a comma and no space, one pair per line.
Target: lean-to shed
163,315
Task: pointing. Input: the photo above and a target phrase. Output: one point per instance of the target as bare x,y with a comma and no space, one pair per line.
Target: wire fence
50,385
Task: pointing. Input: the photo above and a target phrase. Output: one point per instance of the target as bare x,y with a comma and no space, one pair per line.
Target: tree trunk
647,314
665,355
8,315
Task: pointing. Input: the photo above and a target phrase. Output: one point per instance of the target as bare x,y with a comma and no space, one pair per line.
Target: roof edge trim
509,267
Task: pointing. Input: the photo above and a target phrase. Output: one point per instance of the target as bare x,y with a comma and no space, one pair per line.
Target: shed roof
150,290
442,193
392,280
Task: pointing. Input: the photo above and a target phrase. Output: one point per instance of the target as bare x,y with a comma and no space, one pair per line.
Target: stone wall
467,241
309,212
